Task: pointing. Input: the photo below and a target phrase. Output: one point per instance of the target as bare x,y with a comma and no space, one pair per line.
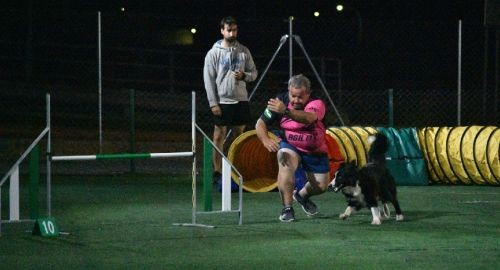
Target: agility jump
226,190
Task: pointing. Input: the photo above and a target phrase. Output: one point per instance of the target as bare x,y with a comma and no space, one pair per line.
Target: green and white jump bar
123,156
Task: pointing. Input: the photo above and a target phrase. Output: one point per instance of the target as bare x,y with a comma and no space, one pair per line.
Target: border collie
369,184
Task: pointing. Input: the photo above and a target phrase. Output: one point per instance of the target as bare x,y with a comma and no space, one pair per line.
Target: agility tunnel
440,155
404,158
462,155
259,167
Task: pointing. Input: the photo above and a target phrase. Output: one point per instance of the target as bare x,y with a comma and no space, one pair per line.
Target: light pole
340,8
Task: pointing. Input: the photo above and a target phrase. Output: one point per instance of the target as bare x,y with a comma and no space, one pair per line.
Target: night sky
441,10
405,36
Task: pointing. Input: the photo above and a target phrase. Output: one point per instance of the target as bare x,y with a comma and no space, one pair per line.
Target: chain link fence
150,65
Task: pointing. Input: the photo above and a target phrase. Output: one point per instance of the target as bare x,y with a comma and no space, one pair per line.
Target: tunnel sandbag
462,155
258,166
416,165
404,159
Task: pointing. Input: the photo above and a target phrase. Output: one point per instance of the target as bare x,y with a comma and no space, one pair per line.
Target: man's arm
209,76
250,69
302,116
277,106
261,130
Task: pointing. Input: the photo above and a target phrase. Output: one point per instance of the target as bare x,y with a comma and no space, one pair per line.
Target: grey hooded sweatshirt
218,73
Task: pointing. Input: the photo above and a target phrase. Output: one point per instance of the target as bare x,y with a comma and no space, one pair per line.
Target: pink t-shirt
307,138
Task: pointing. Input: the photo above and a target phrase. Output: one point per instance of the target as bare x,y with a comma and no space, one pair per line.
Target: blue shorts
315,163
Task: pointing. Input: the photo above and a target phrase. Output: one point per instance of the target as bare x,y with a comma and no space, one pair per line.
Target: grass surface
125,222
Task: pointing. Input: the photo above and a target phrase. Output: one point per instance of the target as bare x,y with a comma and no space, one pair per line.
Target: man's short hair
298,81
227,20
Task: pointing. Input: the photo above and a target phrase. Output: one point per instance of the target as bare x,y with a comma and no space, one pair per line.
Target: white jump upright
14,195
226,185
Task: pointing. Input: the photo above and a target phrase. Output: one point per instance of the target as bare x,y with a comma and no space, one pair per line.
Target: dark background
410,47
371,45
390,9
382,44
400,38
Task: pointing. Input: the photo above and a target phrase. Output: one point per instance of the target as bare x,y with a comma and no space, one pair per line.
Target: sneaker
307,205
287,214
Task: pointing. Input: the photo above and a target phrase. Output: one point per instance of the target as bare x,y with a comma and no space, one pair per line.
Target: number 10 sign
46,227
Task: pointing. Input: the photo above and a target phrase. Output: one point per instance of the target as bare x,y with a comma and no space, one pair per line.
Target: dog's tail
378,148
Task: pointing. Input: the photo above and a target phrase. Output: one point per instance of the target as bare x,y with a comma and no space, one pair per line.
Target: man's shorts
315,163
236,114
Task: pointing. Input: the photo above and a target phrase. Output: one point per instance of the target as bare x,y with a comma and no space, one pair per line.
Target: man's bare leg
288,161
219,136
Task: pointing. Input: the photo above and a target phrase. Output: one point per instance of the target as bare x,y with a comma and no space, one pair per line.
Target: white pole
14,195
193,149
290,19
226,185
122,156
73,158
49,153
459,83
99,77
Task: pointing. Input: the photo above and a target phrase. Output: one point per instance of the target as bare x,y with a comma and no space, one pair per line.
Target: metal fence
58,54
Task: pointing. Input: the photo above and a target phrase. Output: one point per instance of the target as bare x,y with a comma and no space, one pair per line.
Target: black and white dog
366,186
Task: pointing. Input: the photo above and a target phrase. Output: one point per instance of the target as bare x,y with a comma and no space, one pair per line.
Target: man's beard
231,40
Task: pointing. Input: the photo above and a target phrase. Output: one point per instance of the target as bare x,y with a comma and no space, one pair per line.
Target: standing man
228,67
302,141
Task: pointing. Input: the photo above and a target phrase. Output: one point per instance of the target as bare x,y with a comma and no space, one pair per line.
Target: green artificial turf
126,222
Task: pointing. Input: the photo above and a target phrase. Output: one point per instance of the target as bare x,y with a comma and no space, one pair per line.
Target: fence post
391,108
34,172
132,128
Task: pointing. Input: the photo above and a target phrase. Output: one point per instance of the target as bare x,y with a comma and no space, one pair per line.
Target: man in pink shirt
301,141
